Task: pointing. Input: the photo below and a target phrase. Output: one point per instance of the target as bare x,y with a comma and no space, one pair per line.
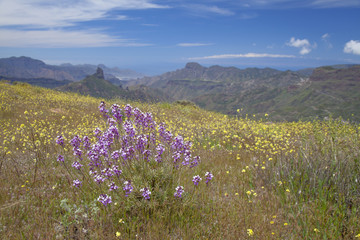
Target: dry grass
271,180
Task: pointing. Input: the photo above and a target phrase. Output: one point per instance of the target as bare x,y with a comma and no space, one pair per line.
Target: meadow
74,167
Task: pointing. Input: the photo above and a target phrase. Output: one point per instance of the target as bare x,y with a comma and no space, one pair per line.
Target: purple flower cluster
102,109
131,136
127,188
208,176
196,180
77,183
159,151
60,158
60,140
179,190
145,193
113,186
77,165
104,199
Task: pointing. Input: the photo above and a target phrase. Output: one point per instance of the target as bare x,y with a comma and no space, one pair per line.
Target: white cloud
276,4
325,38
54,13
353,46
201,9
303,44
50,23
335,3
246,55
61,39
193,44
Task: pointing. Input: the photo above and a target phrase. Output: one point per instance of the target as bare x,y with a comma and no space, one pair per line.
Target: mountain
195,81
95,85
285,95
28,68
25,67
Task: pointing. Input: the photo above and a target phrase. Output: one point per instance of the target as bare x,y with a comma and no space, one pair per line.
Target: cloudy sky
154,36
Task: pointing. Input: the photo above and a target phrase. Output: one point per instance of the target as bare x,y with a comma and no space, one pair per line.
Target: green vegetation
270,180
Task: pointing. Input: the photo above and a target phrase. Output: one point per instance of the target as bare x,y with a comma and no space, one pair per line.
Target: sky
156,36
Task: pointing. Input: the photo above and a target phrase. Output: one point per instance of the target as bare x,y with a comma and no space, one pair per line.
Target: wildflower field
76,167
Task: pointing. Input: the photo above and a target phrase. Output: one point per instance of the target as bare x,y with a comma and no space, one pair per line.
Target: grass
290,180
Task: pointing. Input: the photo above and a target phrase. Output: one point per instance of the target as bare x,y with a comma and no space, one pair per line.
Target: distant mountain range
284,95
28,68
95,85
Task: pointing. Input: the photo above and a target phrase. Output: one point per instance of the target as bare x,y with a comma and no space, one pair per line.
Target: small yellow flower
236,194
227,172
118,234
243,170
250,232
121,220
285,224
316,230
287,190
248,193
226,194
358,236
271,222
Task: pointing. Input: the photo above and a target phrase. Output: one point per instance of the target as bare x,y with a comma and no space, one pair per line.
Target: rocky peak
193,66
99,73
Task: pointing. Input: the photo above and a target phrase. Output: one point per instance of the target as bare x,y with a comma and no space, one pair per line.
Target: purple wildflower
129,129
141,142
116,111
196,180
208,176
77,152
99,179
179,191
116,170
113,186
86,142
102,109
147,154
128,110
104,199
75,142
195,161
115,155
60,140
159,151
77,183
60,158
145,193
77,165
166,135
127,188
97,132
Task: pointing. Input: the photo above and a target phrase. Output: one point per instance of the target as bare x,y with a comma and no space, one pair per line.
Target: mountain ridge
27,68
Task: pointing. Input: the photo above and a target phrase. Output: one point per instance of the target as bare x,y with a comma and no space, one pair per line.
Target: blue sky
153,37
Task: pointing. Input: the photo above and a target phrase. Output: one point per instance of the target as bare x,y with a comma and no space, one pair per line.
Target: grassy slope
271,180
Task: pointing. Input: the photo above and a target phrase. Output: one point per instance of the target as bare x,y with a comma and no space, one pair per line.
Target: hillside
170,171
285,95
96,86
